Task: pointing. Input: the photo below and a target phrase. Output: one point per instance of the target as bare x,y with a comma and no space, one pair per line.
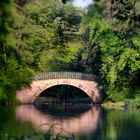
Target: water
26,122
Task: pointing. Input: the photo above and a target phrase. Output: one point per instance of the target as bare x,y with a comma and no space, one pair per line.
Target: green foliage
37,36
112,54
124,15
46,34
12,74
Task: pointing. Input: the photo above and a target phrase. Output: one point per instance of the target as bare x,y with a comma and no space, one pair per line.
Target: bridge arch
70,85
29,95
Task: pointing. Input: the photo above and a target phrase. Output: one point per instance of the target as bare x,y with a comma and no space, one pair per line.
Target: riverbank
126,104
10,103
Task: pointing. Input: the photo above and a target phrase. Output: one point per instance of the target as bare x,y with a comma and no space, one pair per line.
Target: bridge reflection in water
76,123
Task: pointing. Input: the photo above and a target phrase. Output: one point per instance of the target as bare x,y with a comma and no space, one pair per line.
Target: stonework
28,95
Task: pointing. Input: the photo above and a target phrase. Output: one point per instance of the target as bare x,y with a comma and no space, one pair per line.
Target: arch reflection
75,123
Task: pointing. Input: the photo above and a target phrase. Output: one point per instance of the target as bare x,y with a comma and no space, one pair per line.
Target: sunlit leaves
119,58
46,32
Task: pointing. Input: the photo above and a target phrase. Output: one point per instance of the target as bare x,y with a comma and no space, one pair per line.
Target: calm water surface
82,122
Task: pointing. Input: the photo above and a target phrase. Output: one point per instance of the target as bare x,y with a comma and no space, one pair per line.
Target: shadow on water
65,111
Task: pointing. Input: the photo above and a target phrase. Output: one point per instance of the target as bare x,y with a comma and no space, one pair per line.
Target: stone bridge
85,82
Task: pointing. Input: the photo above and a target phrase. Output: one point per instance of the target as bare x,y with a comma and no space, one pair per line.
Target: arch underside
46,93
88,87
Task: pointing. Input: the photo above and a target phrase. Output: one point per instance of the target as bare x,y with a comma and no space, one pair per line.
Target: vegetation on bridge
41,36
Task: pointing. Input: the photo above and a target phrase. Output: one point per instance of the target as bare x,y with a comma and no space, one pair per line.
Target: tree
46,34
112,51
11,72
